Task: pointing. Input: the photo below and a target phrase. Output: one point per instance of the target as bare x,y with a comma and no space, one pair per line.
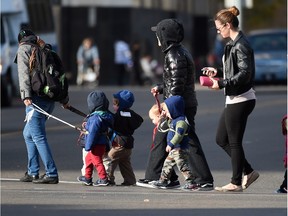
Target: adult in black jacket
179,79
238,76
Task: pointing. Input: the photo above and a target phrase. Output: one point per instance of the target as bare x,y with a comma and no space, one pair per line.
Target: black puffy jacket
179,68
239,66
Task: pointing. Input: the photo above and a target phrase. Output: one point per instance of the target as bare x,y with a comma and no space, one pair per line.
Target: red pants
94,158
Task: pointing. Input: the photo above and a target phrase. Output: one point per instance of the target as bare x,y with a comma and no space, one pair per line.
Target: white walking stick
38,109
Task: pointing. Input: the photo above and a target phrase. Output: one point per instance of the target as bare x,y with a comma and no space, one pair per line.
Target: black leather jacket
179,74
239,66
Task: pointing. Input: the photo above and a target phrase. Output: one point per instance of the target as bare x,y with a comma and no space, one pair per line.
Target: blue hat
97,101
126,99
175,105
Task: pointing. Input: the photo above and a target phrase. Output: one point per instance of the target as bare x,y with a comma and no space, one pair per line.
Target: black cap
165,24
24,33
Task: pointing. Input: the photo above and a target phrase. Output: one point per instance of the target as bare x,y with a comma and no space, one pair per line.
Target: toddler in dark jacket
98,122
177,142
126,121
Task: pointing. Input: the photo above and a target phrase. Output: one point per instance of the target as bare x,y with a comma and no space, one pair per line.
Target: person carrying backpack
34,130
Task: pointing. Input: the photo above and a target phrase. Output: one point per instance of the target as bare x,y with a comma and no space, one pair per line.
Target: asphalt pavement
263,143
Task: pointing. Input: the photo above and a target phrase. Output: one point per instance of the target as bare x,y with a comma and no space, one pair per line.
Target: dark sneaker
206,187
145,183
112,183
160,184
281,190
28,178
85,181
44,179
101,182
198,187
172,185
127,184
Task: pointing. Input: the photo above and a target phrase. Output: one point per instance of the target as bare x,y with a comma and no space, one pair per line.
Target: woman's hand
215,85
209,71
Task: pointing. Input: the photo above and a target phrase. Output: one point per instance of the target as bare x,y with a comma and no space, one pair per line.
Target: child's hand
84,125
154,91
168,148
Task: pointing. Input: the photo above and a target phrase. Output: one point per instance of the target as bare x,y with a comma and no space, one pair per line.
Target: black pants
230,134
199,166
157,157
284,183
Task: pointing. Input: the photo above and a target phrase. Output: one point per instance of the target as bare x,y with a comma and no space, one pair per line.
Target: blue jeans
36,142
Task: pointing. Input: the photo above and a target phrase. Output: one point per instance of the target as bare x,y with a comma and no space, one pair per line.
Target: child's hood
169,31
175,105
97,101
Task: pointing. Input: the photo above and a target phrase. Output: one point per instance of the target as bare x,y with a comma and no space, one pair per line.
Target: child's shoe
84,180
173,185
160,184
101,182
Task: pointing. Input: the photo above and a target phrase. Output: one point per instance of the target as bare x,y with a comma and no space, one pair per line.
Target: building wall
130,24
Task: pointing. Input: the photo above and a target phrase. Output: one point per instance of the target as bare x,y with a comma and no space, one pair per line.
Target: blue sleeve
93,127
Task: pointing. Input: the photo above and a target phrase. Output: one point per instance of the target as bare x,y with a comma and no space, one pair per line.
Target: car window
269,42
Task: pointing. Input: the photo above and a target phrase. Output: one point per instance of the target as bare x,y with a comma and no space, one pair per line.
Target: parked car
270,51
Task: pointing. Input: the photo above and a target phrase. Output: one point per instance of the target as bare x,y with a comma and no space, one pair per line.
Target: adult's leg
223,142
32,152
199,166
284,183
38,134
156,158
236,116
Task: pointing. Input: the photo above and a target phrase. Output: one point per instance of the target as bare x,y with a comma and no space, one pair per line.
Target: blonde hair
228,15
154,111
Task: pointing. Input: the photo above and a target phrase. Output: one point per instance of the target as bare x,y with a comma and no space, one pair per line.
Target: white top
249,95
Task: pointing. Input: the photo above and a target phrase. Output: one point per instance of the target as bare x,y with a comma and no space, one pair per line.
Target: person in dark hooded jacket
126,121
179,79
177,142
98,122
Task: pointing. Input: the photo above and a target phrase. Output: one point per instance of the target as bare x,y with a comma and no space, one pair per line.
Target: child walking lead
98,122
177,142
126,121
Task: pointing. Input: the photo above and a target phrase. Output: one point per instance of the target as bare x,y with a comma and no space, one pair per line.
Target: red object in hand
206,81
